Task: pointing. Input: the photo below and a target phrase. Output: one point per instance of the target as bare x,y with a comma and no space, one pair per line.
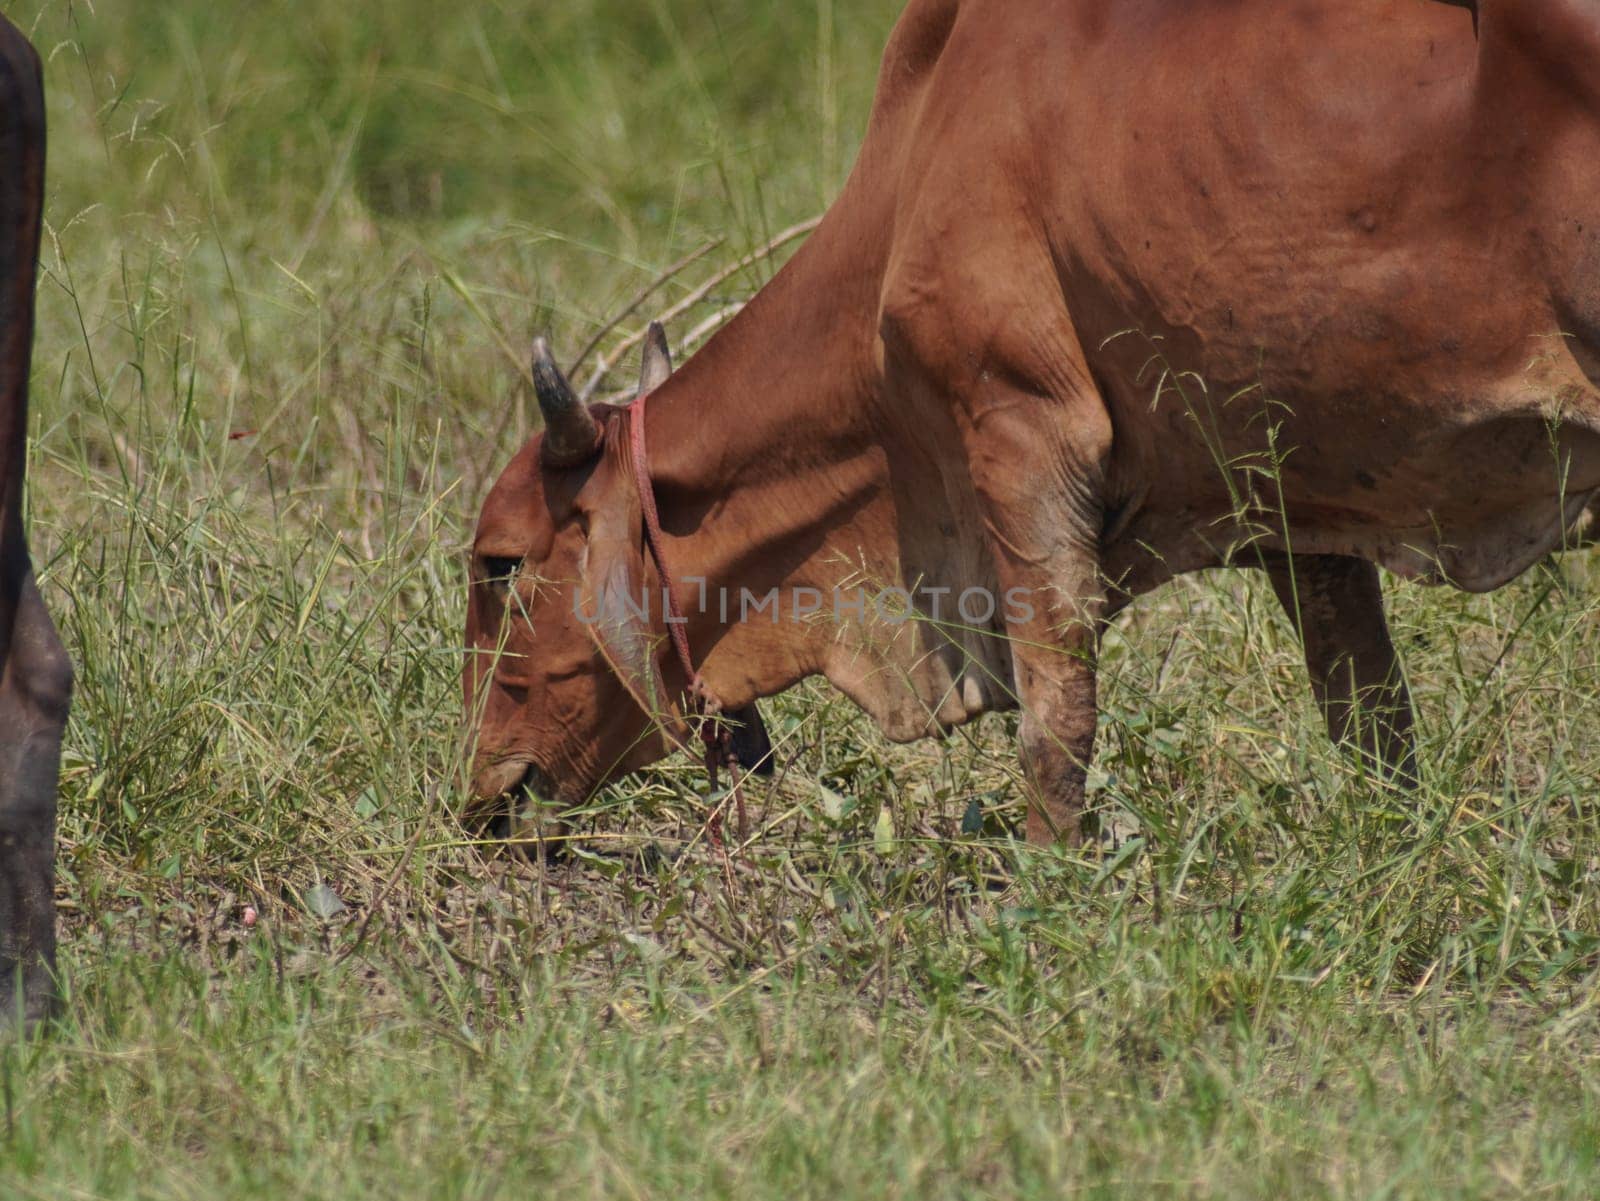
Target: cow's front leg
1336,604
1056,689
1037,480
968,328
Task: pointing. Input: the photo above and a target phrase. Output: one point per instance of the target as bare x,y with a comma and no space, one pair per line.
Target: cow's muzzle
510,804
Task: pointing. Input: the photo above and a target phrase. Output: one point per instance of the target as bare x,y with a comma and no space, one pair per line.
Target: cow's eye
500,571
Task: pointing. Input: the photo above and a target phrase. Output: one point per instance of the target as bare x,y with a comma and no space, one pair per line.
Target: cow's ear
656,365
616,605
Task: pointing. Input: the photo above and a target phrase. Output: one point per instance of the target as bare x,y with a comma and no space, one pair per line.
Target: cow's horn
571,433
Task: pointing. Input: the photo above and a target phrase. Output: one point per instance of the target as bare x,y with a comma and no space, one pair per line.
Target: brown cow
35,674
1118,289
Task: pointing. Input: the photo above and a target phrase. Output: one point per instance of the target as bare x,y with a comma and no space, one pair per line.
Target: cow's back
1279,209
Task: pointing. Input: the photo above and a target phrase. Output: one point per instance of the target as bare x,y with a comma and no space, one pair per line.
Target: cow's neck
762,458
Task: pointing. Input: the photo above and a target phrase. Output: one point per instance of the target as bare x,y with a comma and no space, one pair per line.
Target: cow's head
560,680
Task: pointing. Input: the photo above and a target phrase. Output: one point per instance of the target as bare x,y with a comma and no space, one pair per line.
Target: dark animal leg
35,692
1336,603
35,674
751,743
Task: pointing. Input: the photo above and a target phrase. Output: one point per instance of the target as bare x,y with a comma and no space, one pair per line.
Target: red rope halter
715,734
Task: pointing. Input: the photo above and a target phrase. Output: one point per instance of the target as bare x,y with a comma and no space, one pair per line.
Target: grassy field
288,247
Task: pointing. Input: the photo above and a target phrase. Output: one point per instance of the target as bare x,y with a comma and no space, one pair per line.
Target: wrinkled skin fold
35,674
1117,290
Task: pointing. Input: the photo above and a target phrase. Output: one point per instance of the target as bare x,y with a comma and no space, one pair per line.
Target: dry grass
288,247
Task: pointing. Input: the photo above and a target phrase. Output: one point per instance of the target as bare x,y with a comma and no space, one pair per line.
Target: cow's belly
1477,556
1472,505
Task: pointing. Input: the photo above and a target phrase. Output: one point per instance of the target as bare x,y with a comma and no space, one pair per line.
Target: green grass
285,243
